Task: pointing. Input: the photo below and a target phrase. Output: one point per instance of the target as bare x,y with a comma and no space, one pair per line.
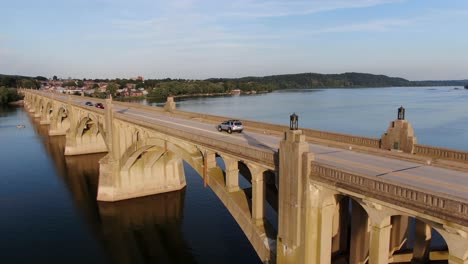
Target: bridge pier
318,232
379,241
292,188
147,176
380,233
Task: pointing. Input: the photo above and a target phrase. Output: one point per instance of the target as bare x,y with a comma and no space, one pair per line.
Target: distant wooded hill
266,83
351,79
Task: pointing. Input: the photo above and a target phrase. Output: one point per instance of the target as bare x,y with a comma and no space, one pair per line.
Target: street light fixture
293,121
401,113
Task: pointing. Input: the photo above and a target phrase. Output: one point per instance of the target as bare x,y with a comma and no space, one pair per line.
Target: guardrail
436,204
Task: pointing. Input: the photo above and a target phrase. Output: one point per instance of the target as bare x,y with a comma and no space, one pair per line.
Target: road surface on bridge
430,178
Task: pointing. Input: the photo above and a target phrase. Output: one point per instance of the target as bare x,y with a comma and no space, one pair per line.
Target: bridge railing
264,156
268,127
421,150
436,204
442,153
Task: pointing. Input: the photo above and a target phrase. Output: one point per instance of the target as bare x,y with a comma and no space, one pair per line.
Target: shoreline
210,95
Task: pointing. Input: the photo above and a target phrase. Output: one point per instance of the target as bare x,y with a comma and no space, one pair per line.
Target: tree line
195,87
8,95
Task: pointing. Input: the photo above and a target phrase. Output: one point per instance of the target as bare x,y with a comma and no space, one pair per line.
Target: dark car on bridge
99,105
89,104
230,126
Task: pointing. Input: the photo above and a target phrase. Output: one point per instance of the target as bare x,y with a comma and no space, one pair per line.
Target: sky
198,39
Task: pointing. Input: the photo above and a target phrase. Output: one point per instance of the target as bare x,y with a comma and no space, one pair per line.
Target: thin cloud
290,8
369,26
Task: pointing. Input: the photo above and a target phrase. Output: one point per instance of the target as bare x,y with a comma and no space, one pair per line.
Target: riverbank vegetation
161,88
192,88
8,95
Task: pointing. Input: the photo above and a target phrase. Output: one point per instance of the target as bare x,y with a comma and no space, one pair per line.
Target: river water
49,213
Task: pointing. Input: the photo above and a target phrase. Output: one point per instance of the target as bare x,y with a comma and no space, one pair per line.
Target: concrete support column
258,195
293,166
232,174
379,240
318,229
422,241
210,157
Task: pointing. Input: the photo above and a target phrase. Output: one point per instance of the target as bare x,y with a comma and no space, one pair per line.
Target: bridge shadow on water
142,230
150,229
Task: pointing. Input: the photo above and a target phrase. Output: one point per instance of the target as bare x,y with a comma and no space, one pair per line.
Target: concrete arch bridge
337,197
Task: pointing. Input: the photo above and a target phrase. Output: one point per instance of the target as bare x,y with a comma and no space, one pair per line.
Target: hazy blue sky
414,39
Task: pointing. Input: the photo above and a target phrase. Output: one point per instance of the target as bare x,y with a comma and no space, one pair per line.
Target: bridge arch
60,121
47,112
86,135
39,106
157,147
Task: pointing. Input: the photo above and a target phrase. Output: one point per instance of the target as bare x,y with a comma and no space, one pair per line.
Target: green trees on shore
8,95
183,87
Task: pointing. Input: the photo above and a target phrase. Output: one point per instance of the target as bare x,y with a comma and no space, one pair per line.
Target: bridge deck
433,179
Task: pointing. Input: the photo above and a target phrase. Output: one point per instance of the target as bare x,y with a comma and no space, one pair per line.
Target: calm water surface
49,213
439,115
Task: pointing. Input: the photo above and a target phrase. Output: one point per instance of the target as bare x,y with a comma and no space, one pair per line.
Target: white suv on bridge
230,126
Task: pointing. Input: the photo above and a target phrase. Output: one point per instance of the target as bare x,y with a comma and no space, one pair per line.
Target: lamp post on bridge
401,113
293,122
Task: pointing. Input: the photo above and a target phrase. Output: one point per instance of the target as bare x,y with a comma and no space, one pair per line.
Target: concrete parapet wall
268,128
441,153
435,204
263,156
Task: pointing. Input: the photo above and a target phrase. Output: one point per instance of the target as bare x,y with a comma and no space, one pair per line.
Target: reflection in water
143,230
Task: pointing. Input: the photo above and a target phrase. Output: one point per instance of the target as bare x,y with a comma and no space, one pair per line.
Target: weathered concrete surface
146,149
399,136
